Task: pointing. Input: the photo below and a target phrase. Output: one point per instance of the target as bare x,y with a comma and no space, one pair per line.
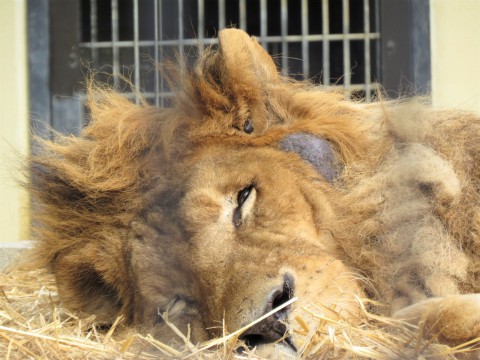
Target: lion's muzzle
273,328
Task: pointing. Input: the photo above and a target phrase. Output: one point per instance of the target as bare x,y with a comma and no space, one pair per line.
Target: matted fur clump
256,197
424,234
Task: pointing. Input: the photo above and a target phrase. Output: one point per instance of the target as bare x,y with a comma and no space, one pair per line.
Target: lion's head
216,211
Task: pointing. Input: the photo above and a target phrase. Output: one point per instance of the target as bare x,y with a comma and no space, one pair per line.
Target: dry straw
33,325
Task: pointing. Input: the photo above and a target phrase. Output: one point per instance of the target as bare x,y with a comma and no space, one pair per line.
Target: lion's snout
273,328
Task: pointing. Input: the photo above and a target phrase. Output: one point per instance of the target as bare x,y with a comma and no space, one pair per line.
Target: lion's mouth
256,340
273,329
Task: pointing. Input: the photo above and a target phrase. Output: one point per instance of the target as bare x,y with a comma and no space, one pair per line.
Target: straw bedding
34,325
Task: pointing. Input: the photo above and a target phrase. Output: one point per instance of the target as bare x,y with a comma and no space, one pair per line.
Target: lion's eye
243,195
248,127
240,212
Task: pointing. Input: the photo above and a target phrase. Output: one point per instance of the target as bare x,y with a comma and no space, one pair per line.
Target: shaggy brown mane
108,170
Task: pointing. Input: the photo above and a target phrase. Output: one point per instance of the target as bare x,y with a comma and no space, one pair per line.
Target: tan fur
135,216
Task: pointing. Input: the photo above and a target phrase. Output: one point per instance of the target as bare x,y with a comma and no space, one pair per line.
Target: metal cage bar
156,9
94,31
181,37
326,43
263,22
268,39
221,14
136,51
284,32
347,75
201,19
114,45
305,42
366,52
243,14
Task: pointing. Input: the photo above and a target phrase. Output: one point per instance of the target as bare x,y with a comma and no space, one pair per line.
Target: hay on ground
33,325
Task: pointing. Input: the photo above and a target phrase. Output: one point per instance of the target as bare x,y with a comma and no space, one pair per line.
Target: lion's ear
315,150
244,58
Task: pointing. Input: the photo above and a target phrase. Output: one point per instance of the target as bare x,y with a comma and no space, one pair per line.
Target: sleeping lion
253,191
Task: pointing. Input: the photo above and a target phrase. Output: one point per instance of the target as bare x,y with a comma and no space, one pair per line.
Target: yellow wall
14,136
455,41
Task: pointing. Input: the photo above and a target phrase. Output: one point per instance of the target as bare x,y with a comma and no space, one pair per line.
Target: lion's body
142,213
415,213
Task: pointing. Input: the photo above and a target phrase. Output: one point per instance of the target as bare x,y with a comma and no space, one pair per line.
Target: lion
254,190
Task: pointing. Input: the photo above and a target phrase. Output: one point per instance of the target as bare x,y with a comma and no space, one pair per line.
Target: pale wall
455,45
14,139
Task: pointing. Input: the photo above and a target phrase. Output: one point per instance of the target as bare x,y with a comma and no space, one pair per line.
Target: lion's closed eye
245,201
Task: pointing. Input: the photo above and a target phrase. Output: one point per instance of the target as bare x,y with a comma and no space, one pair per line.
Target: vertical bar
180,29
160,50
136,51
115,49
263,23
366,30
201,20
305,43
93,31
243,14
284,30
201,24
155,50
346,45
377,42
221,14
326,42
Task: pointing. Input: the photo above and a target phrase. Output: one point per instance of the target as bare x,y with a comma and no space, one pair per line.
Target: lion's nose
273,328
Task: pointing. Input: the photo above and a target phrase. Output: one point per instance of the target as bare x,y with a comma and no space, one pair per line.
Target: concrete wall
14,133
455,45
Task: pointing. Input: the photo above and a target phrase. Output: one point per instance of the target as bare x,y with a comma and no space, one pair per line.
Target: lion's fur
406,205
418,213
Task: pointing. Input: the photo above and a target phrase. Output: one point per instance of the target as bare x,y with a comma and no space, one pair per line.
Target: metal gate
330,42
339,43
